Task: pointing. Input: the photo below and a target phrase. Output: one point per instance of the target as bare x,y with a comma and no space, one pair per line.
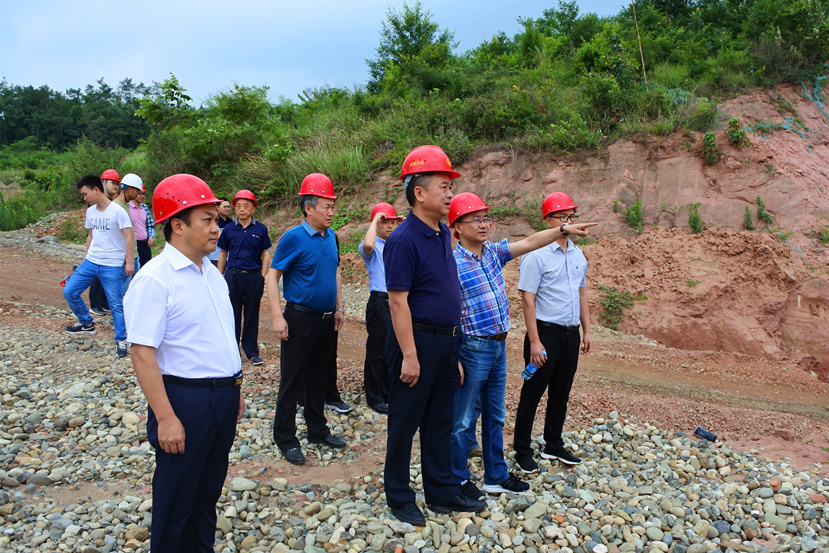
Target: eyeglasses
478,221
564,218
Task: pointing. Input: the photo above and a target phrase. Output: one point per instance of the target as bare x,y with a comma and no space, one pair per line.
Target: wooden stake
636,21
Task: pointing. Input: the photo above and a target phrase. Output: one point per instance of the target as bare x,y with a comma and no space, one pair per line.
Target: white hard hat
131,179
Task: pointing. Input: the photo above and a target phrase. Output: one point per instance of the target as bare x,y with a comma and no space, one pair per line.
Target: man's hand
241,405
460,370
579,229
171,435
410,371
150,242
339,319
280,328
379,216
537,354
129,267
586,343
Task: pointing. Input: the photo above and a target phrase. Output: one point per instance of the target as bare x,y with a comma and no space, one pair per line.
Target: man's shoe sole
551,457
525,471
338,409
498,489
410,520
81,331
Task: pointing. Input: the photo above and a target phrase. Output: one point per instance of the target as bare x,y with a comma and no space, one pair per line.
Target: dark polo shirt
418,259
244,245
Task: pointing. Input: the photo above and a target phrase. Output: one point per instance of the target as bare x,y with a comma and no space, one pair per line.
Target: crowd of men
437,320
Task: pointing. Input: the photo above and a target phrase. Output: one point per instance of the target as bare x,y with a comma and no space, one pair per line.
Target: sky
210,45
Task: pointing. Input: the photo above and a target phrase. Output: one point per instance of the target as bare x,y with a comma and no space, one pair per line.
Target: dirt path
753,403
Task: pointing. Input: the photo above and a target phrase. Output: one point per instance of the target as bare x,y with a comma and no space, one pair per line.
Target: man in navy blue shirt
422,346
308,259
245,244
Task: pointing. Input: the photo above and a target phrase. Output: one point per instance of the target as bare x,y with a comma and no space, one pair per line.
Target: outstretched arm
548,236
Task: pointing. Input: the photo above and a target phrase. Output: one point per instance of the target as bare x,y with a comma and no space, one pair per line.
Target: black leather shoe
330,441
460,503
381,407
294,456
410,513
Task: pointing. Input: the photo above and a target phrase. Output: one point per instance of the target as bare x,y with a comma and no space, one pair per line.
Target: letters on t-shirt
99,223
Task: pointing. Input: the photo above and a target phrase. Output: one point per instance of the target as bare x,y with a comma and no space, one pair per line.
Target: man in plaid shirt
144,226
484,326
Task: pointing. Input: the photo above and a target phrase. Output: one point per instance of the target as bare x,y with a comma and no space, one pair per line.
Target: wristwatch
341,310
561,228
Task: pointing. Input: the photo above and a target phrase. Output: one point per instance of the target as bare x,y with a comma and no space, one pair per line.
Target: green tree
168,107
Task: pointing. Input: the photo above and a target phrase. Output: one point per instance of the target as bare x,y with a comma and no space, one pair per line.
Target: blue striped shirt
485,306
555,278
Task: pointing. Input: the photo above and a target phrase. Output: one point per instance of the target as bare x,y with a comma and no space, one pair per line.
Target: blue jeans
125,279
485,375
110,278
470,438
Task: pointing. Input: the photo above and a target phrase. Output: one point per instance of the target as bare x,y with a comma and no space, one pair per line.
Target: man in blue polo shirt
308,259
422,347
244,254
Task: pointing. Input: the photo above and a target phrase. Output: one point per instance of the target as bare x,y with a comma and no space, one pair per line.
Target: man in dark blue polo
308,259
244,253
422,348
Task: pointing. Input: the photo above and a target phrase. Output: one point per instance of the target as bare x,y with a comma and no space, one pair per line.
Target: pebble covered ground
72,422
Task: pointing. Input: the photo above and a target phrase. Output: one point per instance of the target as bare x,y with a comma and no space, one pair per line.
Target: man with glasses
553,289
484,326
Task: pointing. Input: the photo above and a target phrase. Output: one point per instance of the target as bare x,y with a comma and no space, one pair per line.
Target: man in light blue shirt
378,317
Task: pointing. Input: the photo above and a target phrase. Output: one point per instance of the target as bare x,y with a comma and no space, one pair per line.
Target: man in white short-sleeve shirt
109,250
187,362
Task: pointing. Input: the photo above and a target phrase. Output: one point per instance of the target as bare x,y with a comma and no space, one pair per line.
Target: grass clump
748,220
633,216
710,151
762,214
695,219
614,304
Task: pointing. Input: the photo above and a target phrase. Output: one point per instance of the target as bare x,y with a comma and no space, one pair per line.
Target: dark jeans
186,486
144,252
375,370
556,378
245,295
305,363
97,296
428,405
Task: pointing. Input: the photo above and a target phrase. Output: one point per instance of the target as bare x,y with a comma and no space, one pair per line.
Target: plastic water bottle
530,369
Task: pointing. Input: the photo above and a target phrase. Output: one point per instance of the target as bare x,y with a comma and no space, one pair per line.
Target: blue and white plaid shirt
485,306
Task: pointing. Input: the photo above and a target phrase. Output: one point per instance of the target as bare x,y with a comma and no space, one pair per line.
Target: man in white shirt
109,250
186,358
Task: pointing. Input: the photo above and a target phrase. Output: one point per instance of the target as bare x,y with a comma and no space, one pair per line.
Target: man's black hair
185,218
307,199
223,199
422,181
90,181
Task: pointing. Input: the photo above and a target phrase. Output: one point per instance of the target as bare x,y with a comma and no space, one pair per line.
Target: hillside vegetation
568,81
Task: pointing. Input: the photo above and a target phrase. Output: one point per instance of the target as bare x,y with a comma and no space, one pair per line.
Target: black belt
560,328
383,295
500,337
312,312
246,271
448,330
224,382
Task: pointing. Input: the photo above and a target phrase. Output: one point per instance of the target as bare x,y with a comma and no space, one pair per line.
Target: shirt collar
556,246
466,253
310,230
252,221
178,260
423,227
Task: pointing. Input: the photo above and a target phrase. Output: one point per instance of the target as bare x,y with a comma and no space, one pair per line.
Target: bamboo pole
636,21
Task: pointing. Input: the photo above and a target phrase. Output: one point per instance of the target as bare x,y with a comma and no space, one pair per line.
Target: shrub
762,214
710,151
633,216
703,116
823,235
694,219
748,220
736,134
614,304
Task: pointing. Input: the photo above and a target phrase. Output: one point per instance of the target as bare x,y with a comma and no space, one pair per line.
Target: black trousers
556,378
245,295
97,297
428,405
144,252
375,369
186,486
332,392
305,359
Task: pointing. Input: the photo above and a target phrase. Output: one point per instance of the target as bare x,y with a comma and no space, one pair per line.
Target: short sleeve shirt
374,266
418,259
244,245
309,262
109,245
555,276
185,314
485,304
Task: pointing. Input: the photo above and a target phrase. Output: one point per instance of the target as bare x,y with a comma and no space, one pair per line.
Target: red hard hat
244,195
427,159
557,201
317,184
464,203
179,192
111,174
384,208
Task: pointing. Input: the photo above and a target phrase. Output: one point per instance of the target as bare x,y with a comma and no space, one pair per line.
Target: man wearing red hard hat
378,317
244,259
308,261
553,286
187,363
